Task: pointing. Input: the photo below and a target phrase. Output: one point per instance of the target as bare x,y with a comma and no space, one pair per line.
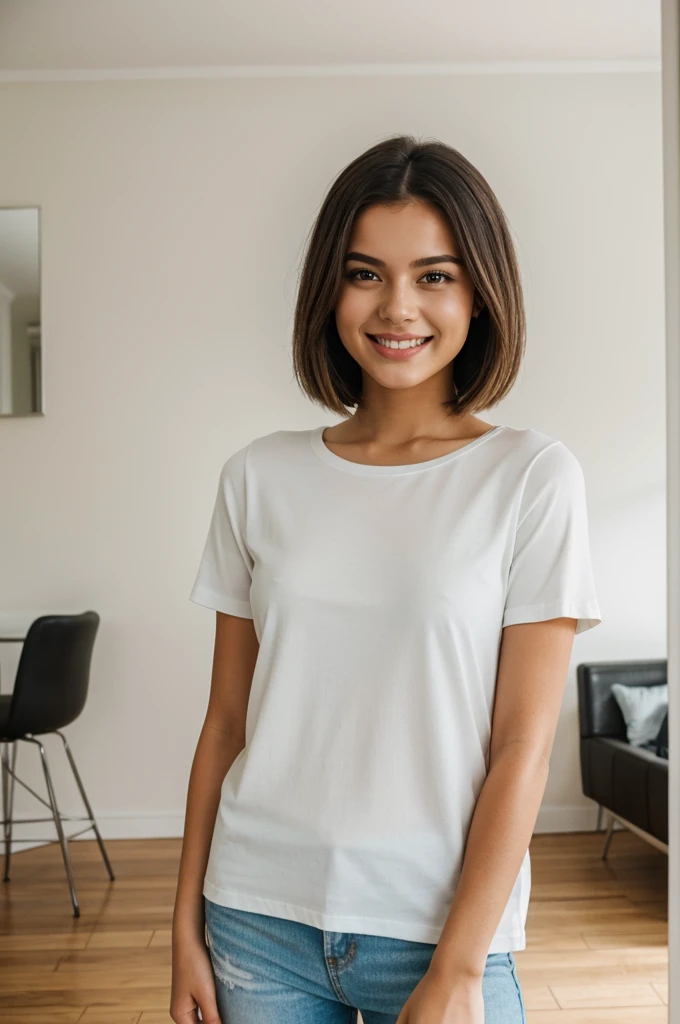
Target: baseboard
560,818
113,826
565,818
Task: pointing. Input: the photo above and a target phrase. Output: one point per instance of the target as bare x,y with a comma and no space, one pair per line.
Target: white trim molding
488,67
670,88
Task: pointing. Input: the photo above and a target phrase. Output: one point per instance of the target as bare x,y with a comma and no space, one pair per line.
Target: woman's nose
399,305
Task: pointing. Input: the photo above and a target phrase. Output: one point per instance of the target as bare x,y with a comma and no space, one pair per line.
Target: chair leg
8,801
5,806
87,804
608,837
57,822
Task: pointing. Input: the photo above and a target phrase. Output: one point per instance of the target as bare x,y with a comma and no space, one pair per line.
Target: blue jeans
269,970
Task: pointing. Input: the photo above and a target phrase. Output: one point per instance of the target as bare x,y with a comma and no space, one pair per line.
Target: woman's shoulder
542,460
277,445
533,442
539,456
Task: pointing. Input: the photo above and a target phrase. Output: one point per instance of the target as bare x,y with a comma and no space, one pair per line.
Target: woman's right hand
193,983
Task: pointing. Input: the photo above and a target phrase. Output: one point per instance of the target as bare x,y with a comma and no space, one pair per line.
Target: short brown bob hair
394,171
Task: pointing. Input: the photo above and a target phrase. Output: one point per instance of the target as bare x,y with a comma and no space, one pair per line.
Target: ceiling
62,35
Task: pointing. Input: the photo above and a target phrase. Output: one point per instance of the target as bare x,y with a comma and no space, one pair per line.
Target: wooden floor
596,933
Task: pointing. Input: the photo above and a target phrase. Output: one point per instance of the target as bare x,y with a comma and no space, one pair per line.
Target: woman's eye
354,275
440,274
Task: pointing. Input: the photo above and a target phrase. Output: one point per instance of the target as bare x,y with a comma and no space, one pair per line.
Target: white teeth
389,343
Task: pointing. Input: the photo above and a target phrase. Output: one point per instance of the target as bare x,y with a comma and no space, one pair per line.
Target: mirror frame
37,375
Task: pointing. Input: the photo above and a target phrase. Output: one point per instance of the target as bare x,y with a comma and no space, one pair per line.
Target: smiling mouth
413,343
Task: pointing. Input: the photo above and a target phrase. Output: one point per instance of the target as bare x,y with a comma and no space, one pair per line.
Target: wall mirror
21,392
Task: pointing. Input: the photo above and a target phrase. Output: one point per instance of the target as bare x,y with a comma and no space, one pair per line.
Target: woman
397,597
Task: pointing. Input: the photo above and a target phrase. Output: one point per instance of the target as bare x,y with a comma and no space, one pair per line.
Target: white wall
174,215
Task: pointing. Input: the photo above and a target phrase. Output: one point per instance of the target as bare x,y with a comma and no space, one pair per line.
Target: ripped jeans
269,970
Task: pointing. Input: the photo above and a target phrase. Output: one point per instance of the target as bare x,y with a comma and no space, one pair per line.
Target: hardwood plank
620,1015
538,997
93,1015
53,1014
104,938
604,993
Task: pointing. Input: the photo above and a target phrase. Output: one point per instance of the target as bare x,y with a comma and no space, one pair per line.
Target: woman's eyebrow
425,261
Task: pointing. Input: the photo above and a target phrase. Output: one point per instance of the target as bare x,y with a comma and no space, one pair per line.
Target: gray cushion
643,709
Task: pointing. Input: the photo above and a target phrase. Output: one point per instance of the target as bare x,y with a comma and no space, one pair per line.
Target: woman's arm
222,738
532,671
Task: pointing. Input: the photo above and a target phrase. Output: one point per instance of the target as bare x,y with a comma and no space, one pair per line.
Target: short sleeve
225,570
551,573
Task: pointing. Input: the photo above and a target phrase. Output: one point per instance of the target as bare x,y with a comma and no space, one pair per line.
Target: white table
14,625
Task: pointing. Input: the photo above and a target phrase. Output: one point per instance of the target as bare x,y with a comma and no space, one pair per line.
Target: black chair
629,782
50,690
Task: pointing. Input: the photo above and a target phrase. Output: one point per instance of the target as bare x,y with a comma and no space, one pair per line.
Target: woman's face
383,294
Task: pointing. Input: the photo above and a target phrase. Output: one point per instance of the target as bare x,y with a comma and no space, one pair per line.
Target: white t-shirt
378,595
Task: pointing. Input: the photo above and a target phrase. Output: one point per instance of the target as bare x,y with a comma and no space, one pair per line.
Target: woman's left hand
436,1000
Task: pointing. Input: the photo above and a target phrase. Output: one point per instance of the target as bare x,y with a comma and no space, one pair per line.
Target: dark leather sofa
629,783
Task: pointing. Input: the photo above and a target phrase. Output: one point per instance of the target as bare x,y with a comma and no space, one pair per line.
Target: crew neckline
362,469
